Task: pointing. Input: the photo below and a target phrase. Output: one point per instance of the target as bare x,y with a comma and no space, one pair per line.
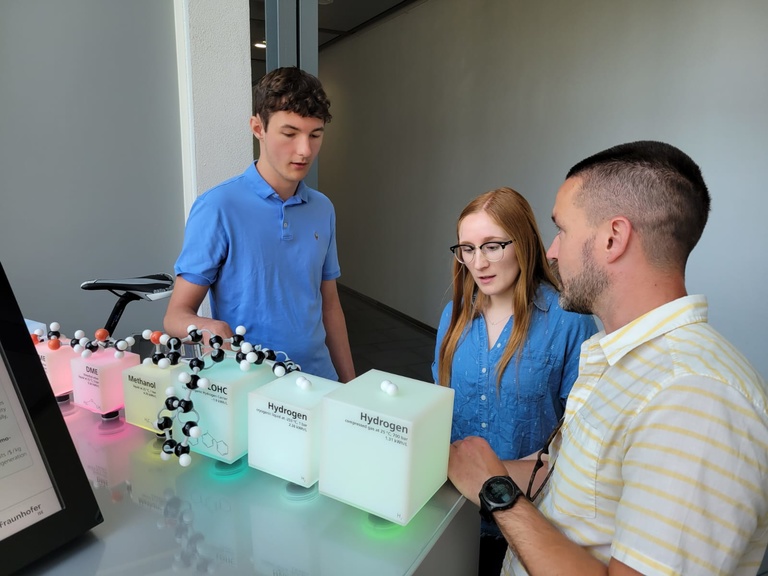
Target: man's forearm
337,341
541,548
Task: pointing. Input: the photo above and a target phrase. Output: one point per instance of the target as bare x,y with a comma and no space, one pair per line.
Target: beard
580,292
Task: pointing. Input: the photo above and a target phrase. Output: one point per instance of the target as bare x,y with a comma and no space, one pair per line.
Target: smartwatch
498,493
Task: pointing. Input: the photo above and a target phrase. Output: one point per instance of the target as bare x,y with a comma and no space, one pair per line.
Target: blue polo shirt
264,261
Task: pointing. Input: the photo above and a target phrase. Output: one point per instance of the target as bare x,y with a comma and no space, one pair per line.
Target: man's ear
617,239
257,127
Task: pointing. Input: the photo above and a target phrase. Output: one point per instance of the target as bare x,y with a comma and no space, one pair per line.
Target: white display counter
231,519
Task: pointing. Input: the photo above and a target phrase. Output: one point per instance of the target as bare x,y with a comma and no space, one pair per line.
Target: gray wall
449,98
90,166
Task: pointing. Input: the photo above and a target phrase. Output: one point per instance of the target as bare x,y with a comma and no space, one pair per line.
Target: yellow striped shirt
662,462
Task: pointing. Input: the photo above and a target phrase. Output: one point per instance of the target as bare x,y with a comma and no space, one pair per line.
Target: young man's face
583,281
288,146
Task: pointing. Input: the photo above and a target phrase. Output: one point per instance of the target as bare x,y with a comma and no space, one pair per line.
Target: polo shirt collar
265,190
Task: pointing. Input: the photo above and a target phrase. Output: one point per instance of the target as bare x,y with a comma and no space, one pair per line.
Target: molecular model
183,409
53,337
102,340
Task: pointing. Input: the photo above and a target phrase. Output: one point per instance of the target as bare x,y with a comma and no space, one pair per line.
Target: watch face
499,493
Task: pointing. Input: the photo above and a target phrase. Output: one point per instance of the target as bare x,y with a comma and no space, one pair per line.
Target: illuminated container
144,392
57,366
385,444
97,381
284,427
223,409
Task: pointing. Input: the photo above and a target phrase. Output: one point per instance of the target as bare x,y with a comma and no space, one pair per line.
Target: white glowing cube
144,389
97,381
56,364
385,444
222,409
284,427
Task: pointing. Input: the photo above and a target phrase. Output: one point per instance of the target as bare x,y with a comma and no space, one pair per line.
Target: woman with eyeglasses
504,345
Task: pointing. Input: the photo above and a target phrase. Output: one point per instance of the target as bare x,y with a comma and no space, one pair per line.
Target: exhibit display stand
234,520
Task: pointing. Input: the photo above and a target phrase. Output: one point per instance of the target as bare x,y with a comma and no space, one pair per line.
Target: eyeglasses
493,251
540,463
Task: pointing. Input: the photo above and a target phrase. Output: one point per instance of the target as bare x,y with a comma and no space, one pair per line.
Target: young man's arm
336,337
182,311
539,546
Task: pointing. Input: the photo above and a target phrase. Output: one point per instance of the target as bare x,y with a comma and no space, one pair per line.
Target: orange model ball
102,334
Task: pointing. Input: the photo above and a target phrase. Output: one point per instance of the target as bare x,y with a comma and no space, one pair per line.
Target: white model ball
203,383
246,348
185,377
240,330
146,334
170,391
55,326
303,383
389,387
163,363
245,365
185,460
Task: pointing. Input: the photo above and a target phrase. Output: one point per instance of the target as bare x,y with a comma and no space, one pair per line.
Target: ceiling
336,20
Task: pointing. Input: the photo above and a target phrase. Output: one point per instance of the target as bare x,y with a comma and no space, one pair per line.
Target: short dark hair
657,187
290,89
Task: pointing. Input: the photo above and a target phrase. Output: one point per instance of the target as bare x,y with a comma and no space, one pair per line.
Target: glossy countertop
214,518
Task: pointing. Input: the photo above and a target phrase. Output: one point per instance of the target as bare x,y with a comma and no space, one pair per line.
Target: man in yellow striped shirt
661,463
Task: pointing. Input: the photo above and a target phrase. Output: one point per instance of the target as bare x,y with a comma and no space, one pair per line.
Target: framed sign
45,497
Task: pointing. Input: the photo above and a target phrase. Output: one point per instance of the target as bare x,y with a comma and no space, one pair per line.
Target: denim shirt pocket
529,381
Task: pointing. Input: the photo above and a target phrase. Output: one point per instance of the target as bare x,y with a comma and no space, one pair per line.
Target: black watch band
498,493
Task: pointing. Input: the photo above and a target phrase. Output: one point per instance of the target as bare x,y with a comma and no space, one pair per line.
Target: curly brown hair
290,89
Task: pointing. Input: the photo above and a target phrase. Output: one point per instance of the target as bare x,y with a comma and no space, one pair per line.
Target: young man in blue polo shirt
264,243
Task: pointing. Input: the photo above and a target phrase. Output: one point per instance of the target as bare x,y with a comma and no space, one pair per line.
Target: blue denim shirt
516,418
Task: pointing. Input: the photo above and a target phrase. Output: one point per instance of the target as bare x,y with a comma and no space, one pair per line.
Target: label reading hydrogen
294,419
388,428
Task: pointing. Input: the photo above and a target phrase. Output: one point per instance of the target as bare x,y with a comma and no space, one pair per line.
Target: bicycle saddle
151,287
